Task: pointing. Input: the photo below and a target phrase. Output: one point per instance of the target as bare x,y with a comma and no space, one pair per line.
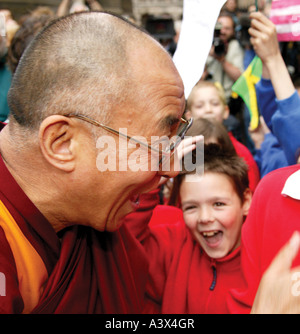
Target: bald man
87,78
89,85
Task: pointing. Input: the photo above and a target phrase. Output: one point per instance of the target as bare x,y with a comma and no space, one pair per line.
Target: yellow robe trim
32,273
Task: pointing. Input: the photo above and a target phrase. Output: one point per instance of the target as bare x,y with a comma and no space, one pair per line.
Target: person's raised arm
63,8
264,40
94,5
231,70
285,121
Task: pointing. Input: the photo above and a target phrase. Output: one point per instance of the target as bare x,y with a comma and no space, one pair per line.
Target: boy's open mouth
212,237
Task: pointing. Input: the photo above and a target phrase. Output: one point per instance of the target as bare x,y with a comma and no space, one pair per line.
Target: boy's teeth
209,234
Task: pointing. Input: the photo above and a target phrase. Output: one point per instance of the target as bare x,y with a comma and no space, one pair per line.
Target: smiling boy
213,211
195,261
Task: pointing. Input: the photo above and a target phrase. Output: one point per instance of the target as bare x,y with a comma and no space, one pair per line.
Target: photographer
225,61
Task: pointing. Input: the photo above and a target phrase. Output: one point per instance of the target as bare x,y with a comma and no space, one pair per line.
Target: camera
243,33
220,48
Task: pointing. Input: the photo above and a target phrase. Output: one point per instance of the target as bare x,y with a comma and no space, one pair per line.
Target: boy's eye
219,204
188,208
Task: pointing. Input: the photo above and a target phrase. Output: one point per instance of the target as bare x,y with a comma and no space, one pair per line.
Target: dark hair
217,160
212,131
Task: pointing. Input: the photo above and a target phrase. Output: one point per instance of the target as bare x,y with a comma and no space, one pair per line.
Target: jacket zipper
214,281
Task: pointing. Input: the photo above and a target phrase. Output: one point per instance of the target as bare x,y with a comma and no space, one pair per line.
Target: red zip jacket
182,278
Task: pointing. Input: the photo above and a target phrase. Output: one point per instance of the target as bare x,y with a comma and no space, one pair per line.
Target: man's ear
56,135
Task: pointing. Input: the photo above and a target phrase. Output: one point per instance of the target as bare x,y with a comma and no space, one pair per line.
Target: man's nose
169,174
171,167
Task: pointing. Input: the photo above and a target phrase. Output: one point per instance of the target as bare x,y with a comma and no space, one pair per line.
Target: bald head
98,65
80,64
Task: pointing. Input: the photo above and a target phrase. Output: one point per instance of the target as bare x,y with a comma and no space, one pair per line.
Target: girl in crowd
207,100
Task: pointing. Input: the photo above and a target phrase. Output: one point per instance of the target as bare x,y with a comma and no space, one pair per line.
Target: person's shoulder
282,172
276,179
168,220
166,214
234,43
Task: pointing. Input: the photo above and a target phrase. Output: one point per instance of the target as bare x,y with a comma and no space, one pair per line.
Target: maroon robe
86,271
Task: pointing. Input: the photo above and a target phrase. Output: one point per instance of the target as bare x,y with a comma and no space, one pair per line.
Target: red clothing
242,151
79,271
183,279
271,222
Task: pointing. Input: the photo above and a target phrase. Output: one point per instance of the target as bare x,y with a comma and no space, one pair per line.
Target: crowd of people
77,240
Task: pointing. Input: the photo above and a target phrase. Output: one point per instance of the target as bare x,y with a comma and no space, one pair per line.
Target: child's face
208,104
214,213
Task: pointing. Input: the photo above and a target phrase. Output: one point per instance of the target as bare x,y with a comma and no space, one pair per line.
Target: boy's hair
212,131
201,84
217,160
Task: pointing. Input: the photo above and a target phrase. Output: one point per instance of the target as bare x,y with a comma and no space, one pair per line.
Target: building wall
20,7
136,7
157,7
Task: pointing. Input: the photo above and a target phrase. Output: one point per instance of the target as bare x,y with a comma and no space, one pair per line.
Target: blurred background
134,8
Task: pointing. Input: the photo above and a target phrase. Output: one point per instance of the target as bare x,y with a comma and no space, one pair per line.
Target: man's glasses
168,148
